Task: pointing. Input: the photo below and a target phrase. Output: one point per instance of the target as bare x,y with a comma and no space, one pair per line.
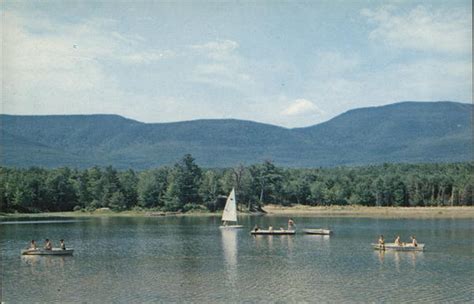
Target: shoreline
459,212
128,213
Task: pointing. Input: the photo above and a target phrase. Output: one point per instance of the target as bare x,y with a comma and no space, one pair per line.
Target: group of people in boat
291,226
398,242
48,245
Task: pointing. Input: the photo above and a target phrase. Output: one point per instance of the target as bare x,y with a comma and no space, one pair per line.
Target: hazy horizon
290,64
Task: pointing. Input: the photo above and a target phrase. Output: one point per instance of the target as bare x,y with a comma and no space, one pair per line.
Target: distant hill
401,132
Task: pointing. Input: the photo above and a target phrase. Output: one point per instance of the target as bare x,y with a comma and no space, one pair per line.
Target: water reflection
265,241
320,239
381,255
397,257
229,244
39,264
272,242
288,241
48,261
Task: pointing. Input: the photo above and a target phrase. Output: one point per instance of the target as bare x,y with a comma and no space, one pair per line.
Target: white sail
230,209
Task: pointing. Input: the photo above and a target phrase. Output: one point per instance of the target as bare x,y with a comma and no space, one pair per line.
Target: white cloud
301,107
222,66
221,75
146,57
422,29
217,50
59,68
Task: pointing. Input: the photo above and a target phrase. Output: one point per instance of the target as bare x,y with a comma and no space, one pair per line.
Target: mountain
401,132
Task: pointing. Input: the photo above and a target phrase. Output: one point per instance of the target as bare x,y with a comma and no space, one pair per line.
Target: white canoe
393,246
231,226
272,232
54,251
317,231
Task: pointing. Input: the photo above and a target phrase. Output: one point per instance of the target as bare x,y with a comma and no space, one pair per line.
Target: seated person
62,245
270,228
397,241
33,245
413,241
48,245
381,241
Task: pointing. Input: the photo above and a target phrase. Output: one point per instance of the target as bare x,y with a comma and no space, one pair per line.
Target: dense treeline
186,186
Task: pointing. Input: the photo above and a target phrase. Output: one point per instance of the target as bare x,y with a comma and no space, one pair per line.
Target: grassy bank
275,210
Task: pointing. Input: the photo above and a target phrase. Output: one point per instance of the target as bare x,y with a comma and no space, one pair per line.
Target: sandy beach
296,210
362,211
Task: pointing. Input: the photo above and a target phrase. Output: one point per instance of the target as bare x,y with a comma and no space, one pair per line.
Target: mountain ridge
399,132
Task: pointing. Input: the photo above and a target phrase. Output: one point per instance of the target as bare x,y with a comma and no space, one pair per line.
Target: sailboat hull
231,227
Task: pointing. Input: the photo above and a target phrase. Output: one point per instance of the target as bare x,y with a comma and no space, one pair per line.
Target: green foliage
186,187
210,186
128,181
183,184
190,207
151,187
117,201
266,181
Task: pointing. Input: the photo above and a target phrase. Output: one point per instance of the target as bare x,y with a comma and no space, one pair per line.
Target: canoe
54,251
392,246
272,232
317,231
231,226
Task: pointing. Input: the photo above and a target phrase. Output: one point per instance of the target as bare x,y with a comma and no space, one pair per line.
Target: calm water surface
182,259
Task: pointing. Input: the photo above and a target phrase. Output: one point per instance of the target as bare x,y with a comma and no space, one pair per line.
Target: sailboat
230,212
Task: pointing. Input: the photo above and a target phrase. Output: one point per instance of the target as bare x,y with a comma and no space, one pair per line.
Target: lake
188,258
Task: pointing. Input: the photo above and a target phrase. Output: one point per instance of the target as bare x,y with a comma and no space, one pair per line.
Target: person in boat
381,242
270,228
291,224
62,245
33,245
413,241
48,245
256,228
397,241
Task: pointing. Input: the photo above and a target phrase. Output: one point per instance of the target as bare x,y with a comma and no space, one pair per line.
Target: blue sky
289,63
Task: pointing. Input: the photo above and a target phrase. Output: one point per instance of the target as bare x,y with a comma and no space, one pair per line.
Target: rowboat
317,231
272,232
54,251
393,246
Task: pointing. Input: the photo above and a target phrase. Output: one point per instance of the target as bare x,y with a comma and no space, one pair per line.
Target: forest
186,187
